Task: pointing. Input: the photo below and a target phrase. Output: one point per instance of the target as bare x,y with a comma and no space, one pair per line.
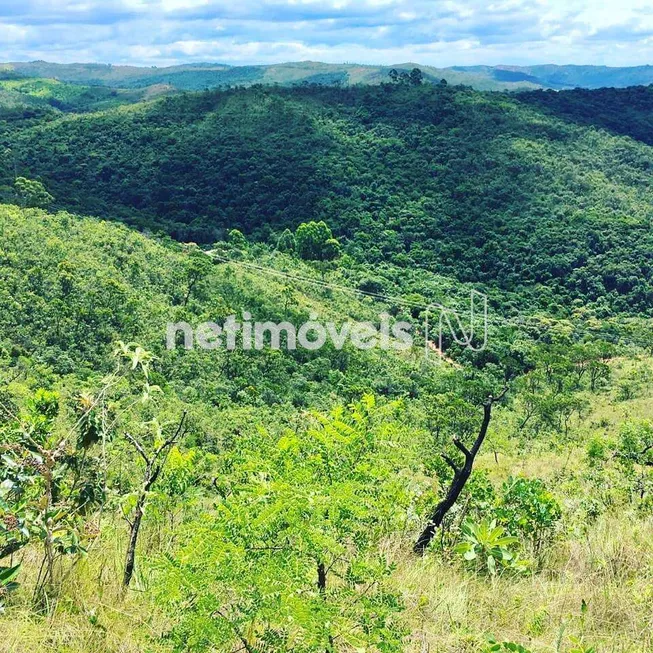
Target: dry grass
449,609
93,614
611,569
607,565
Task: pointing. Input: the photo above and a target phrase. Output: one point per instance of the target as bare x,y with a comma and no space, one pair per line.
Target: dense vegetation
165,500
627,111
50,94
479,187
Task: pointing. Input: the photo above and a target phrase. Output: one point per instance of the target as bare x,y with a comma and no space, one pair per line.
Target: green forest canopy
519,192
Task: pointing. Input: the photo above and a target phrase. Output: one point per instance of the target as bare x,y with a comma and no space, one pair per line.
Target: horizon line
313,61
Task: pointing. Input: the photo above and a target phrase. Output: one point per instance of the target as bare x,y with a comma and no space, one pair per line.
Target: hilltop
200,76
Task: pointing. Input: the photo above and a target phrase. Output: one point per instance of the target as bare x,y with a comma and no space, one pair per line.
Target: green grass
605,565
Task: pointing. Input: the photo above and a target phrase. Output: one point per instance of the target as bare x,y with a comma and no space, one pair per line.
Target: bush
528,509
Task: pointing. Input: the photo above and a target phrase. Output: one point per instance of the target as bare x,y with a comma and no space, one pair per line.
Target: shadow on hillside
623,111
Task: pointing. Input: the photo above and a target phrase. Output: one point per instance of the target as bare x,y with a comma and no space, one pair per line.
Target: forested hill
200,76
213,497
483,187
626,111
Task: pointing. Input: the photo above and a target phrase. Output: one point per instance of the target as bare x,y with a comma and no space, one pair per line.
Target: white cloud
369,31
13,33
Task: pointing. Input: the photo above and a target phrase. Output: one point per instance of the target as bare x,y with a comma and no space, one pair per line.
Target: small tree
634,453
286,242
315,242
237,239
48,483
198,267
154,464
289,559
32,194
153,451
416,77
527,508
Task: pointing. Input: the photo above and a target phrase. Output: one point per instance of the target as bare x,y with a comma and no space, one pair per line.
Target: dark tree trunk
460,477
321,577
154,465
130,559
321,586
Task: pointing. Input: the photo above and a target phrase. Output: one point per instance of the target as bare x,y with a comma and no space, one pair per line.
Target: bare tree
460,476
154,465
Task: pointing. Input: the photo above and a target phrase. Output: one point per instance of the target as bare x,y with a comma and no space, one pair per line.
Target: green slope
62,96
627,111
272,524
71,287
481,187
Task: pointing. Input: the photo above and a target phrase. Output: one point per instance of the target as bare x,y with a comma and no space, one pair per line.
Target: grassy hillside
283,465
590,76
194,77
485,188
563,77
67,97
158,499
72,288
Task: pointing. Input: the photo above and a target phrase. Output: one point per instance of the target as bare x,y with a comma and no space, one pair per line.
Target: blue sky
439,33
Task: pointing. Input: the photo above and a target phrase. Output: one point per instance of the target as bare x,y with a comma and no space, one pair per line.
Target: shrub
528,509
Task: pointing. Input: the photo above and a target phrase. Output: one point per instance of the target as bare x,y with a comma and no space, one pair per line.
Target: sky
438,33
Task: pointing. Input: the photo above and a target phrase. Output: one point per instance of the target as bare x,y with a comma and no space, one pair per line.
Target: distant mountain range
208,75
